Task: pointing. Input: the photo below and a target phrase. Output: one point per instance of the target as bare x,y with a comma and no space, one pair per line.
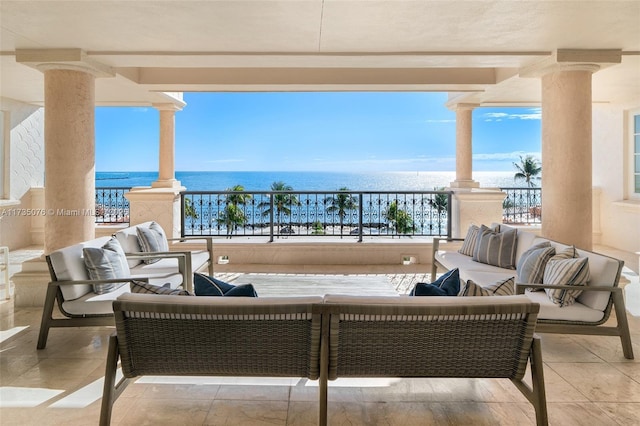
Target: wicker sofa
325,338
587,315
73,289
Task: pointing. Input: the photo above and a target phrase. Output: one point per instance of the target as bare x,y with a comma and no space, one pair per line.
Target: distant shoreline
309,181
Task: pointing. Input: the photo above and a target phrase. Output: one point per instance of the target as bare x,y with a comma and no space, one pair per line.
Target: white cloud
532,114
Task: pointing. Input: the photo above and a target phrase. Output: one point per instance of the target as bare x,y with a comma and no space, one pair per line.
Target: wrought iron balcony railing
522,206
318,213
346,214
111,205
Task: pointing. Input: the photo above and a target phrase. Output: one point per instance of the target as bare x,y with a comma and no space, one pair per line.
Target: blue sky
337,131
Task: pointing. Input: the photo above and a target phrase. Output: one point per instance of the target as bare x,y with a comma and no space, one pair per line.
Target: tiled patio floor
588,382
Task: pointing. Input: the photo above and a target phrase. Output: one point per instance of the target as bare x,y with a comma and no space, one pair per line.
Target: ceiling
475,50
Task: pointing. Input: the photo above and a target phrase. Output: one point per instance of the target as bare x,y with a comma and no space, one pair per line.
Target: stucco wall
619,218
26,170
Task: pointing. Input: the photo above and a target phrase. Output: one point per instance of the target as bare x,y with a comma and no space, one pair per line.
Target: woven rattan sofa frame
405,340
234,330
54,293
325,328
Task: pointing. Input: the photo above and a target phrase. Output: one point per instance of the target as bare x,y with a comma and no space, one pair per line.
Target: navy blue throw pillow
204,285
242,290
447,285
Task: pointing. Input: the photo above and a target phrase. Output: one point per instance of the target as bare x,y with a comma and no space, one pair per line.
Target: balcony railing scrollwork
522,206
345,214
111,205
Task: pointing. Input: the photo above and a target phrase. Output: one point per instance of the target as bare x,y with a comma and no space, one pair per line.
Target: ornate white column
567,208
161,202
166,163
464,150
566,156
69,140
69,136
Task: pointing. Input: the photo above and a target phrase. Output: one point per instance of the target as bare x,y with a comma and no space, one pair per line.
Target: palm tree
440,201
400,220
528,170
282,202
189,209
341,203
232,217
236,198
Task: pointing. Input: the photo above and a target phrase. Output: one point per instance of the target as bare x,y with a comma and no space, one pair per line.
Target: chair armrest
436,242
184,263
520,288
194,237
156,254
208,239
107,281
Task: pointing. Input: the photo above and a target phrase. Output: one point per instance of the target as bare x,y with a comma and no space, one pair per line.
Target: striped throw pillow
146,288
572,272
496,248
567,253
152,239
500,288
531,264
104,263
469,244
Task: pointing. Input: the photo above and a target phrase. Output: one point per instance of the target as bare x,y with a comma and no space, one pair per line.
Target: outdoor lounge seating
338,336
592,307
77,294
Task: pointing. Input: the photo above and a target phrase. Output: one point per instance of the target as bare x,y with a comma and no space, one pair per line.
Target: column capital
461,106
169,106
573,60
63,59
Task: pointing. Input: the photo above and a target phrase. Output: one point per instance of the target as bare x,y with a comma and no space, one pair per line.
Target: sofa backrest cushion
525,239
128,239
68,264
604,271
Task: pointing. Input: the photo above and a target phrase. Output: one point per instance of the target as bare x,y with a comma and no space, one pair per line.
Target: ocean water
308,181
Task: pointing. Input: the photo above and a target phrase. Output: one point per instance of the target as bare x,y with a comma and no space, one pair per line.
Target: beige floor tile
303,413
149,411
608,348
578,414
558,389
599,382
631,369
245,413
563,348
165,391
624,413
14,366
253,393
